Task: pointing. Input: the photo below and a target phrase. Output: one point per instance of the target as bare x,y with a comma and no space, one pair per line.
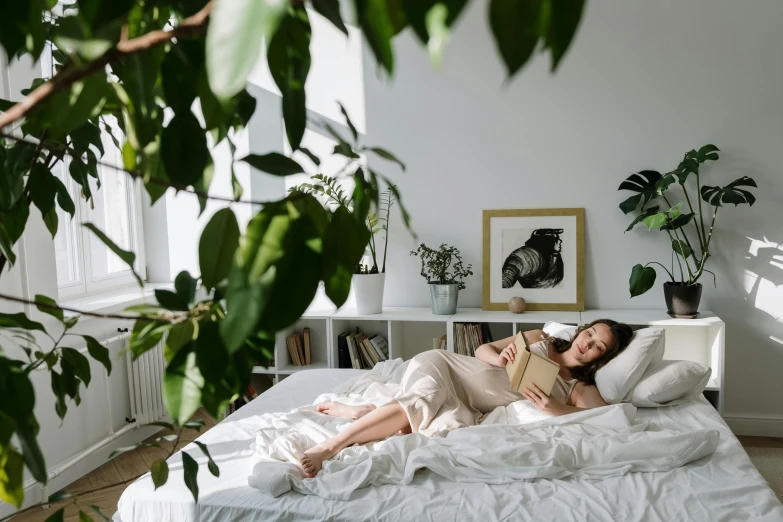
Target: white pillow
615,380
563,331
670,382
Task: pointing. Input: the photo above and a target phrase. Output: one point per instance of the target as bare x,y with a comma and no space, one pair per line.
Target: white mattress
722,487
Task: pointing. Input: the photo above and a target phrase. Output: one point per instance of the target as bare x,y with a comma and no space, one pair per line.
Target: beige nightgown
442,391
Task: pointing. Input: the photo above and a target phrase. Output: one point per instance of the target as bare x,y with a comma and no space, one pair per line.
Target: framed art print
536,254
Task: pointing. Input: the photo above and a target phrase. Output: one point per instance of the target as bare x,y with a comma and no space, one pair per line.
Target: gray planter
444,298
682,300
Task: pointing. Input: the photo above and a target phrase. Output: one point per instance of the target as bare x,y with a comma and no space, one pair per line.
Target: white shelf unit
701,340
410,330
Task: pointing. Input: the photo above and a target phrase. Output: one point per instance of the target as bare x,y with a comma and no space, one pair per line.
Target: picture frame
536,254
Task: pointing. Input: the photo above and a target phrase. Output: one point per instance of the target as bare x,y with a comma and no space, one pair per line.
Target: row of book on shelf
359,351
298,345
241,401
469,336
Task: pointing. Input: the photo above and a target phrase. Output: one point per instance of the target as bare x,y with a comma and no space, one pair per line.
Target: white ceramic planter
368,289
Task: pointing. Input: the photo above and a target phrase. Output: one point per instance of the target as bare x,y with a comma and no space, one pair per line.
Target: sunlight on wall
764,284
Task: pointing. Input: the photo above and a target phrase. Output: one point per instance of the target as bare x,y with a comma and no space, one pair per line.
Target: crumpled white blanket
513,443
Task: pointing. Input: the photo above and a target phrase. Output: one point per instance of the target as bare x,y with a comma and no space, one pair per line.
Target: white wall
643,83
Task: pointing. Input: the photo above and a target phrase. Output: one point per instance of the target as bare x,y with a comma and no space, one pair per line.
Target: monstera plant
173,74
658,200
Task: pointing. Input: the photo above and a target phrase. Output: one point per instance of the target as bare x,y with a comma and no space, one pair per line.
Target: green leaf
563,21
12,181
438,30
180,335
515,26
288,57
184,149
642,279
19,320
387,156
656,220
346,150
63,197
170,300
6,247
14,220
211,465
78,171
377,28
57,516
160,472
678,222
707,152
33,457
330,9
49,306
60,495
84,517
195,424
681,248
730,194
274,163
146,334
645,183
72,36
98,352
310,155
43,188
236,30
100,513
217,245
128,257
190,467
125,449
343,246
675,211
70,322
348,121
185,285
179,72
182,384
11,483
645,214
51,221
58,389
80,363
211,354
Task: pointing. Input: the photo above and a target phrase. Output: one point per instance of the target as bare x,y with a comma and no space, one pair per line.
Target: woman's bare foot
312,460
338,409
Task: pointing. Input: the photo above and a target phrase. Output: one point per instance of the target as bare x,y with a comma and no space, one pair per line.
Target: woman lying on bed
442,391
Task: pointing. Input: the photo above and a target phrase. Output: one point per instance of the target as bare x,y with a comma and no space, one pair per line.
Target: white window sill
115,300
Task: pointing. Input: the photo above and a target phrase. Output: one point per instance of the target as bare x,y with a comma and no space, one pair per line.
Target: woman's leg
380,423
338,409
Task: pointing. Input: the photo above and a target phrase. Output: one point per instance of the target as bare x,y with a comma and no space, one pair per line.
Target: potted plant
444,271
680,224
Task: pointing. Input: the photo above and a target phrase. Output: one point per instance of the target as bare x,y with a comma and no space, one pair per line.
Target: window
84,264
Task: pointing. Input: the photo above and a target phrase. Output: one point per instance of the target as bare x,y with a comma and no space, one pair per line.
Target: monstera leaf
690,163
641,217
731,193
645,184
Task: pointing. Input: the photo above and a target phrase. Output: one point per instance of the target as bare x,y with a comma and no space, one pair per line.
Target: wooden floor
104,485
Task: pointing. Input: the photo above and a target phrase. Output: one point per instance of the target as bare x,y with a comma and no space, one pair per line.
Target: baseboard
755,425
32,492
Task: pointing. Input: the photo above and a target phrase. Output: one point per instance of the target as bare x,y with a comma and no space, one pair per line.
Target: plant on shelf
445,273
683,294
150,64
368,280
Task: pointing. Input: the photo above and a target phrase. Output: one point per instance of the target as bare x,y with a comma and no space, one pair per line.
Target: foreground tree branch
189,26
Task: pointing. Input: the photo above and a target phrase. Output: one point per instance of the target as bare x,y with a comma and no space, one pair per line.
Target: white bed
721,487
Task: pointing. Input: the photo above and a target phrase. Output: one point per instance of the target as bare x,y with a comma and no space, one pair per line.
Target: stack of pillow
639,374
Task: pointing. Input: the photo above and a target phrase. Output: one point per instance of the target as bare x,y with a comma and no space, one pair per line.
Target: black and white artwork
532,258
534,254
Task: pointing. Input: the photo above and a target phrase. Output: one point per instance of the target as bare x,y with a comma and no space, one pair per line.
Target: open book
530,367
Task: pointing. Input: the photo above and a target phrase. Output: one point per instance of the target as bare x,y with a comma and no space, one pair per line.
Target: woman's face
591,344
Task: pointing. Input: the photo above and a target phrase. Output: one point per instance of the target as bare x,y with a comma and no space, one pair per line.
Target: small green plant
678,224
435,265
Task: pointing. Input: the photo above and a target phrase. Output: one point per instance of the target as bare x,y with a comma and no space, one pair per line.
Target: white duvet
512,444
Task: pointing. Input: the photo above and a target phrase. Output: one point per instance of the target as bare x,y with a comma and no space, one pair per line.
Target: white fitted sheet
722,487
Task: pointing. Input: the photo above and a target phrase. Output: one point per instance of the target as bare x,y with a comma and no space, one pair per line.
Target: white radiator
145,379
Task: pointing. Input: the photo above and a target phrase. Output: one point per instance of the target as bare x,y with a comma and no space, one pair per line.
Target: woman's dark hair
621,337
